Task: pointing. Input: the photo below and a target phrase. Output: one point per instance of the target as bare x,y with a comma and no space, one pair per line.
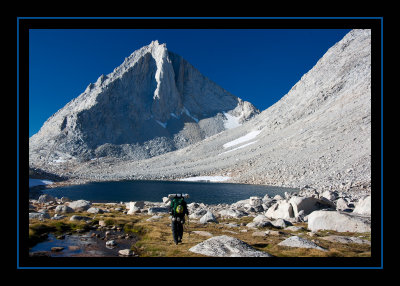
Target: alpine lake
154,191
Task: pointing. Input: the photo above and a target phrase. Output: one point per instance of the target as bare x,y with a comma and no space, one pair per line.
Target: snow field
249,136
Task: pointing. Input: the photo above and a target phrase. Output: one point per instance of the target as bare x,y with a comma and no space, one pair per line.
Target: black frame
25,24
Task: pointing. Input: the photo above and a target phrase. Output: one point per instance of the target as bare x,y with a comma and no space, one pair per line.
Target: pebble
125,252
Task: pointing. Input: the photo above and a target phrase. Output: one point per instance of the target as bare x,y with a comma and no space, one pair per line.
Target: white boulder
232,213
138,204
198,214
38,215
260,221
281,209
329,195
125,252
46,198
338,221
208,217
255,201
281,223
133,210
341,204
111,243
226,246
308,204
94,210
296,241
62,209
79,205
363,207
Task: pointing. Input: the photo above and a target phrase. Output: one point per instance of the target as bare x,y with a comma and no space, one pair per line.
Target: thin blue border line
382,142
19,267
311,18
17,142
206,267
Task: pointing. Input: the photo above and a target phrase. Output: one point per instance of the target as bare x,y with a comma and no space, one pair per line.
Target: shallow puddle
82,245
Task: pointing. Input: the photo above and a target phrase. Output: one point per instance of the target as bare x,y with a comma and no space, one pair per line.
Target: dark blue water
154,191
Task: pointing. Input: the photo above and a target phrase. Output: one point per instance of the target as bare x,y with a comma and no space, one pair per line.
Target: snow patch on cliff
231,121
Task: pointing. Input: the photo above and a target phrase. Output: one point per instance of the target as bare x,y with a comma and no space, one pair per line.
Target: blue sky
257,65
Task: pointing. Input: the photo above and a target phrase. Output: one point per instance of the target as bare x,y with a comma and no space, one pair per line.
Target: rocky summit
317,136
154,102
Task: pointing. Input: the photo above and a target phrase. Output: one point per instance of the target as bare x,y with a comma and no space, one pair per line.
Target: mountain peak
153,103
155,43
155,47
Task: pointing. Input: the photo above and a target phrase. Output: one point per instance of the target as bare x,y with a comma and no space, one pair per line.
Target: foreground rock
125,252
38,215
208,217
232,213
338,221
62,209
296,241
308,204
345,239
94,210
363,207
197,214
46,198
111,243
260,221
79,205
297,207
226,246
281,209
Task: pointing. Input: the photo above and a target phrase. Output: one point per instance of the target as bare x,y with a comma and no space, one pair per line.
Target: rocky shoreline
308,211
352,189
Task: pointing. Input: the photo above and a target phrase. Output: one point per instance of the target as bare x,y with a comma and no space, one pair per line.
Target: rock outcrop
363,207
296,241
79,205
338,221
226,246
154,102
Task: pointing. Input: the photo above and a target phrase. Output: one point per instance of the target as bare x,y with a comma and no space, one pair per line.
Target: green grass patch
38,233
131,228
62,227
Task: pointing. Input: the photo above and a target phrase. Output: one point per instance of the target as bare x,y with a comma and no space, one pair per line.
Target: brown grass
155,238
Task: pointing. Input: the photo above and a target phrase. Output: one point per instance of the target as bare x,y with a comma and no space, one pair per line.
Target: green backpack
177,206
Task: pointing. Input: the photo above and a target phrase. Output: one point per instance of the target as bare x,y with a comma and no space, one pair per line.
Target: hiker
178,209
